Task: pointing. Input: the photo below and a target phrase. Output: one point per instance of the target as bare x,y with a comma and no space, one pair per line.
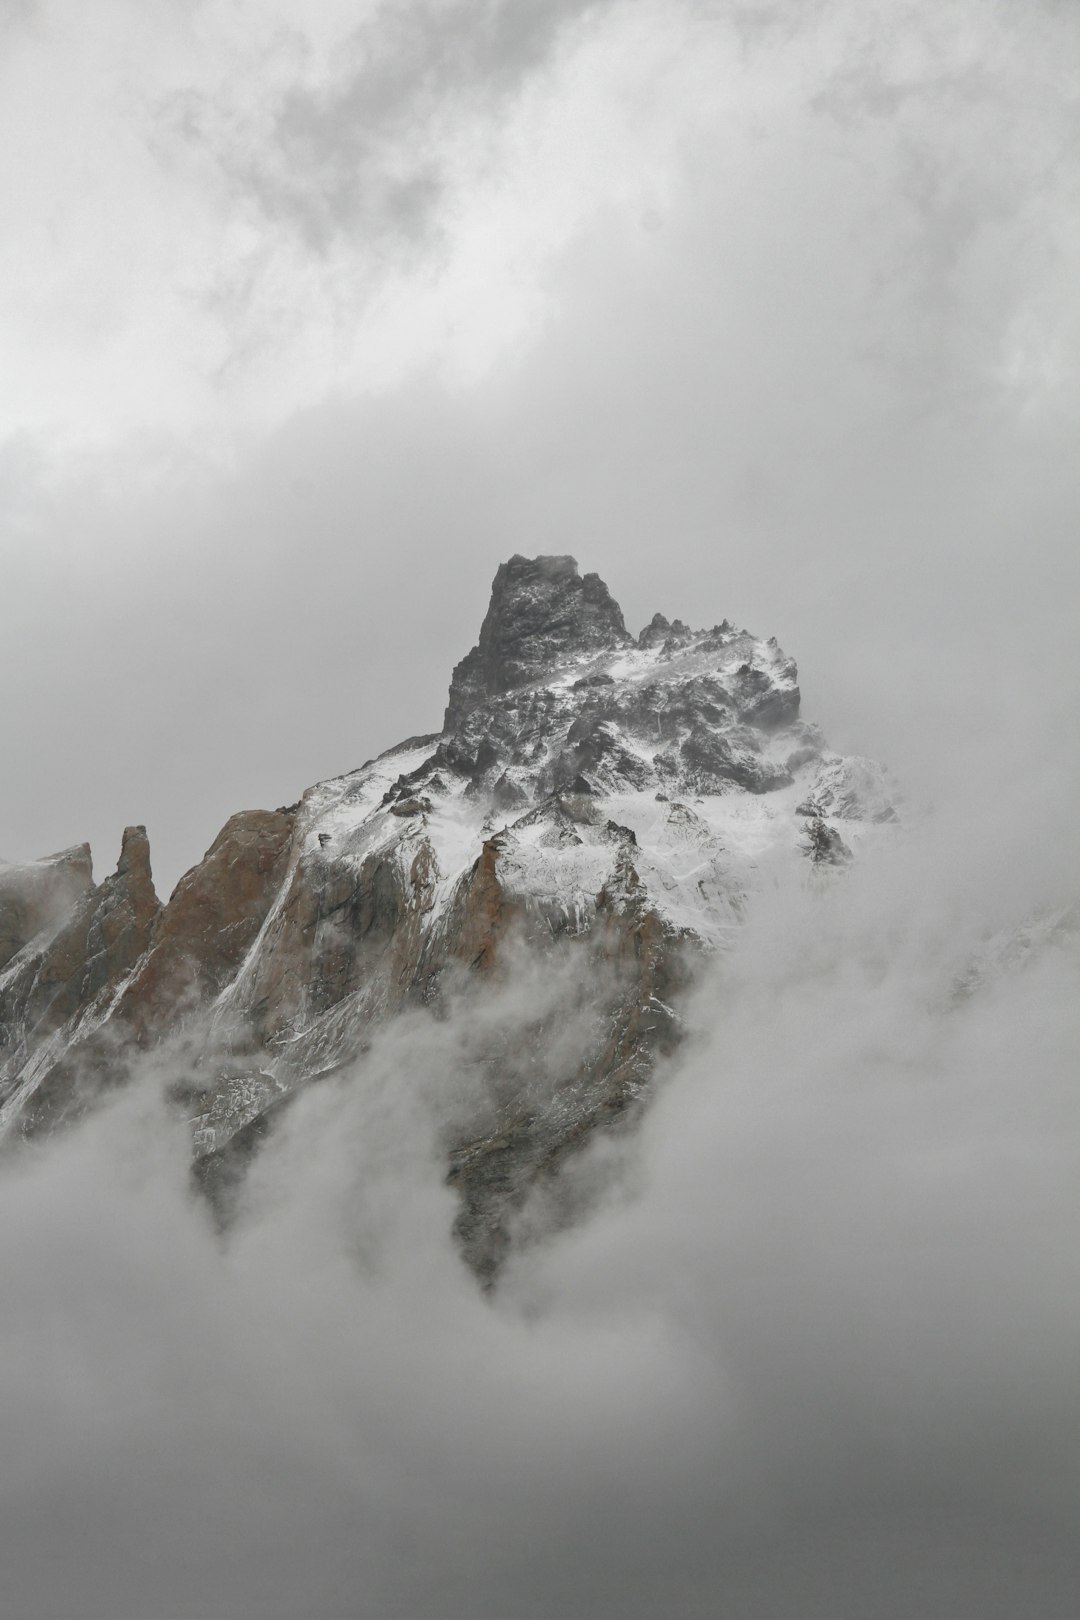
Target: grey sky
311,316
762,312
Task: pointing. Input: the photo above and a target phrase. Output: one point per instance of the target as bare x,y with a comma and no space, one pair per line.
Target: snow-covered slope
685,745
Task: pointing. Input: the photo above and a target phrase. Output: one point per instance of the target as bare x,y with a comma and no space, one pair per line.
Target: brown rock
210,923
72,976
39,895
481,915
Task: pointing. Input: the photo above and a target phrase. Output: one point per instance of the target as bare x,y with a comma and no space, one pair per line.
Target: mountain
593,816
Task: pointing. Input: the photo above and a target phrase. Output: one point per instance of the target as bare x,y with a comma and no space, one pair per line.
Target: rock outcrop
211,922
542,611
62,984
595,805
35,898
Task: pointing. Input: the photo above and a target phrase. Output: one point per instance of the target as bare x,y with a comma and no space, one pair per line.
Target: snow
697,857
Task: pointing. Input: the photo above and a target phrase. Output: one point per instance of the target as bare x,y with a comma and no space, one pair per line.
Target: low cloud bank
812,1352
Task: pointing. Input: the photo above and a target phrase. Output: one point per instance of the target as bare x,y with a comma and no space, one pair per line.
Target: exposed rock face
603,805
542,613
36,897
160,965
211,922
63,981
824,845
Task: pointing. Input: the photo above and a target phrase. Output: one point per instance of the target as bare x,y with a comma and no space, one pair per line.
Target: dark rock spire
542,613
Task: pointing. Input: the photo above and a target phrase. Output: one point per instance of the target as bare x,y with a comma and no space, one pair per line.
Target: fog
812,1351
763,311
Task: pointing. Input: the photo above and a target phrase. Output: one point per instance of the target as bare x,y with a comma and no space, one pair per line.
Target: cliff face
601,804
542,612
61,984
36,897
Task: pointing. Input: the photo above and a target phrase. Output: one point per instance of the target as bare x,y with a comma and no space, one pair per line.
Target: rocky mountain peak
660,630
605,804
542,614
134,862
557,697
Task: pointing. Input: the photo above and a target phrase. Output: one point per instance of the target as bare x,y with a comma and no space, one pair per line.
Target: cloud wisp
812,1351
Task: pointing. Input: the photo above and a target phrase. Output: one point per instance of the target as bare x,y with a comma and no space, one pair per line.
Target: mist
763,311
809,1350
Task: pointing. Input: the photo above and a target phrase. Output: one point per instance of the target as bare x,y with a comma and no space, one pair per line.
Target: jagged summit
658,630
608,802
542,613
557,696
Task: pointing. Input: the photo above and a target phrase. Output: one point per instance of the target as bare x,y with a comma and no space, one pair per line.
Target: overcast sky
312,314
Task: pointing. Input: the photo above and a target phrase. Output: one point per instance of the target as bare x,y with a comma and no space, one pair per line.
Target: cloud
764,312
235,183
362,148
14,14
812,1352
776,320
242,212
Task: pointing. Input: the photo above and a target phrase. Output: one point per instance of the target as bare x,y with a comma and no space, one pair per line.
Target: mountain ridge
595,799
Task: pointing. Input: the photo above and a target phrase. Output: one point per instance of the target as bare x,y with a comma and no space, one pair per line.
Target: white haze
812,1353
765,311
